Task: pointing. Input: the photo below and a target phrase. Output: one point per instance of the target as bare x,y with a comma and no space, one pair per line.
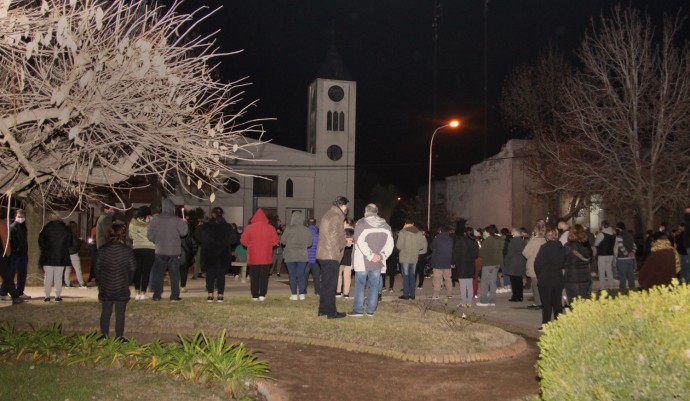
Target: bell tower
332,120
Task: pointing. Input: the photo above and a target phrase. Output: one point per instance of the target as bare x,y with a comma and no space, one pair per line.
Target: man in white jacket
373,244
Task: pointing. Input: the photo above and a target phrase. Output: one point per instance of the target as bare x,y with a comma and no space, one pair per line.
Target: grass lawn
39,381
397,326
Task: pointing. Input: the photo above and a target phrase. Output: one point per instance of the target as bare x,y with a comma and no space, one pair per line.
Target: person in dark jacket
54,241
19,259
491,254
188,250
5,253
548,265
217,238
465,253
441,255
578,258
116,266
515,264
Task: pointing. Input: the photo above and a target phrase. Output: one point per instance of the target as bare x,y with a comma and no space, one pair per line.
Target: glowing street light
451,124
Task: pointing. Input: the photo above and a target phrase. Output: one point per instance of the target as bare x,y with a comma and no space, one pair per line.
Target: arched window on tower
342,121
336,127
289,188
329,121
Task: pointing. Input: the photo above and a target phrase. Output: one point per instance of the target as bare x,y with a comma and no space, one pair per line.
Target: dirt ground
305,372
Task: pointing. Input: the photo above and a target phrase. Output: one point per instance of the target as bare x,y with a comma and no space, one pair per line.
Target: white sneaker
262,298
255,299
143,297
302,297
481,304
137,297
293,297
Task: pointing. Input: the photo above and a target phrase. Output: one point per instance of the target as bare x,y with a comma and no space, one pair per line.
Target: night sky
388,47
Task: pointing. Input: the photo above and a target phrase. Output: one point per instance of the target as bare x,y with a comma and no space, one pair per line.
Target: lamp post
452,124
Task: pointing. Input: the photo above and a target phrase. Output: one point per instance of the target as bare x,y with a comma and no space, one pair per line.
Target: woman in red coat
259,237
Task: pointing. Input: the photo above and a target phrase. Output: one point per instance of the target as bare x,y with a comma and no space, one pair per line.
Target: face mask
485,236
20,220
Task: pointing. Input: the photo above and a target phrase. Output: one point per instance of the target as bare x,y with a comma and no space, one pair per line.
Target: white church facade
281,180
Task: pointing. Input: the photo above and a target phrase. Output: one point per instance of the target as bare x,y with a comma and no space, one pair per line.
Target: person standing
441,258
515,264
411,243
297,239
605,241
5,270
345,270
101,232
116,267
465,254
54,240
491,255
217,238
313,263
548,265
166,231
331,246
277,261
373,245
19,259
578,257
74,258
143,249
259,237
530,253
625,249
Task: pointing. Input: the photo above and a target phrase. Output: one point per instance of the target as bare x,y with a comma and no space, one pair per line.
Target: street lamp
452,124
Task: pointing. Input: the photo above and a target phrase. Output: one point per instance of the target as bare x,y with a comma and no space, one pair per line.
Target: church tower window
289,188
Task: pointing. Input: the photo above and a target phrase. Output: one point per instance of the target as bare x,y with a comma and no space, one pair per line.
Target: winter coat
138,229
660,267
515,263
465,253
217,238
492,251
166,230
441,251
297,239
311,251
578,256
548,265
18,239
115,266
259,238
411,242
530,252
55,240
373,236
332,240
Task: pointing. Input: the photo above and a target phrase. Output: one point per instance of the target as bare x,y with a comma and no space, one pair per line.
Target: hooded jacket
332,240
166,230
138,229
297,238
373,236
411,242
259,238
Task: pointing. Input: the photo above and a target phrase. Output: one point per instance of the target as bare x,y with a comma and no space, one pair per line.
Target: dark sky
388,47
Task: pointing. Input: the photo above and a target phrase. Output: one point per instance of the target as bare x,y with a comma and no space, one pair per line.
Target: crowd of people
556,263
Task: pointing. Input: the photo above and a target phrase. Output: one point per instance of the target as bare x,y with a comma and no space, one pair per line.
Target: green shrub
634,347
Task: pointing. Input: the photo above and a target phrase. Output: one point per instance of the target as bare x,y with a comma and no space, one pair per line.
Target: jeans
605,272
315,270
297,279
19,265
408,272
626,273
466,291
107,311
684,274
374,277
329,280
171,263
487,285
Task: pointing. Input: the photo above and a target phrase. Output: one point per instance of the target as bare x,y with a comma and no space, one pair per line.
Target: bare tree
623,130
93,92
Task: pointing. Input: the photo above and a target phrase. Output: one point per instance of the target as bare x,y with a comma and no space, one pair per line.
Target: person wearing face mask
19,259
